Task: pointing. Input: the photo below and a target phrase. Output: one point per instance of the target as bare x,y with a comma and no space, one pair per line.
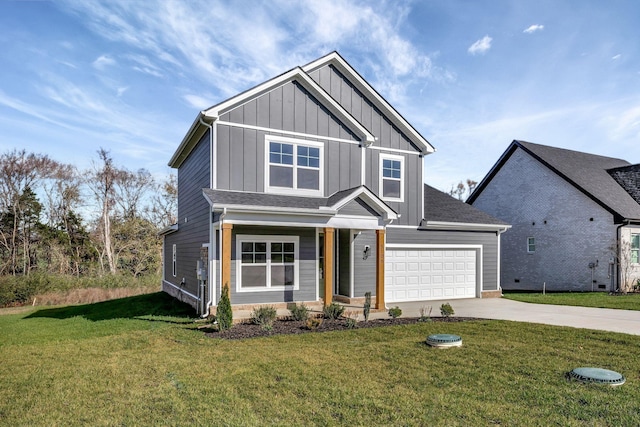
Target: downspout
211,173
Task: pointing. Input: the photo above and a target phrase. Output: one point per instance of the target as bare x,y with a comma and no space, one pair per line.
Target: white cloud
615,57
102,62
197,101
122,90
481,46
533,28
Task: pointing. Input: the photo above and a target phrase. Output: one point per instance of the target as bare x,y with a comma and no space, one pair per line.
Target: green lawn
141,361
583,299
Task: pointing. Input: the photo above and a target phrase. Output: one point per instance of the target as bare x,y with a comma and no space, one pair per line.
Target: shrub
367,305
299,312
424,316
333,311
224,315
264,316
313,323
395,312
351,320
446,310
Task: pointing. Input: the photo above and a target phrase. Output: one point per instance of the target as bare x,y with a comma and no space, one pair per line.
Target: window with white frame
392,177
635,248
174,258
293,165
267,262
531,244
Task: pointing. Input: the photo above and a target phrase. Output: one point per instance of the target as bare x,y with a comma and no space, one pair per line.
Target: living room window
635,248
531,244
267,262
294,165
392,177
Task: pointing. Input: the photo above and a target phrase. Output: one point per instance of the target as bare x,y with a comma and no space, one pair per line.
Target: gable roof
326,206
444,211
300,74
586,172
370,93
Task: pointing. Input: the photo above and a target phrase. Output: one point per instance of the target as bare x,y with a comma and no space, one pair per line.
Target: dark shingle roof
628,178
589,173
441,207
241,198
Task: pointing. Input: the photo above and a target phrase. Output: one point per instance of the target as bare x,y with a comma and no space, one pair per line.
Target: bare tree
461,189
164,203
131,189
102,181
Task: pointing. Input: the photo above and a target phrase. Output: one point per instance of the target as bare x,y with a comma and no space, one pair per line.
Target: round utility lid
597,375
444,340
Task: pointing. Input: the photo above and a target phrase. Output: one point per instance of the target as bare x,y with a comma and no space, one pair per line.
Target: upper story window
635,248
294,166
531,244
392,177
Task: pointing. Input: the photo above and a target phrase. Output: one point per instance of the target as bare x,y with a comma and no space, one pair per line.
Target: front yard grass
583,299
142,361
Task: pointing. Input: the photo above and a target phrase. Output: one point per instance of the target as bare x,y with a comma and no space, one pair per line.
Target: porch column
380,269
226,256
329,234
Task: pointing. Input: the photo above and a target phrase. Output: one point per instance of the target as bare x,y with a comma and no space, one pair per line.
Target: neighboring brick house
308,188
575,218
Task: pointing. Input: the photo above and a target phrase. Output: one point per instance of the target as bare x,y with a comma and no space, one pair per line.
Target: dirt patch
291,327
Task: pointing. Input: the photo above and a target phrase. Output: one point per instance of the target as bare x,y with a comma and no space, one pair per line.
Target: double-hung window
174,259
294,166
392,177
635,248
267,262
531,244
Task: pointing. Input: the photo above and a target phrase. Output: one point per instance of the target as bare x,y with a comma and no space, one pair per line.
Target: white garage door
429,274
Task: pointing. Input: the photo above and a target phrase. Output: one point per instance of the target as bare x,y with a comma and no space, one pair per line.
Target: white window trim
383,157
174,258
528,245
268,239
631,249
286,190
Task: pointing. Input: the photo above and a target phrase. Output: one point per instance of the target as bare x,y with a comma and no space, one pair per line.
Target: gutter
442,225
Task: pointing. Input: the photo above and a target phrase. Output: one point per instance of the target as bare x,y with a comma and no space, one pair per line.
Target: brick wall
570,230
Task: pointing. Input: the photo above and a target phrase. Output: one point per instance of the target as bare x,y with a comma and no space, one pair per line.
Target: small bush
424,315
264,316
333,311
446,310
313,323
395,312
367,305
351,320
224,314
299,312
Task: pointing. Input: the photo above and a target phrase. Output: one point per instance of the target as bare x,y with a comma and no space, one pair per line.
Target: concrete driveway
604,319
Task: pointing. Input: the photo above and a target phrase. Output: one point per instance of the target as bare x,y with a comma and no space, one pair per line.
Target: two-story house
309,188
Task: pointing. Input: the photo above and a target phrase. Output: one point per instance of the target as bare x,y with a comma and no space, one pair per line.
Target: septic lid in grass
444,340
597,375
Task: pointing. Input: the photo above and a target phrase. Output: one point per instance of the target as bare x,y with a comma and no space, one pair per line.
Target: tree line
57,219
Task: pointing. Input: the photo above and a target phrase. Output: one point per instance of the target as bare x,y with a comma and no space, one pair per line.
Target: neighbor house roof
445,211
589,173
629,178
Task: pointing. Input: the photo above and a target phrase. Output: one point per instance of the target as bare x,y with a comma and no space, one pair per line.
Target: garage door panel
424,274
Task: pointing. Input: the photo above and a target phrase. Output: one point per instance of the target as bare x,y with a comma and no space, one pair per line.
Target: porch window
294,165
531,244
635,248
392,177
267,262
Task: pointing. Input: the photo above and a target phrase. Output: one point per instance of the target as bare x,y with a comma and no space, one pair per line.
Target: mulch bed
290,327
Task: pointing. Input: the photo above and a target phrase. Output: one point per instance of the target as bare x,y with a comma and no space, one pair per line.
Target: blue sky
471,76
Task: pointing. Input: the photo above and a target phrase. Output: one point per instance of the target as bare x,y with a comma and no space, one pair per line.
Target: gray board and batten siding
488,240
193,218
388,136
307,265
